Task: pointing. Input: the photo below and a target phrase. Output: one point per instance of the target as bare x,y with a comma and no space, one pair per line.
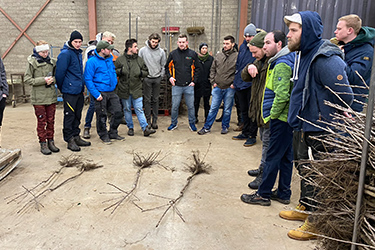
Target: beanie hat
258,39
75,35
201,45
250,30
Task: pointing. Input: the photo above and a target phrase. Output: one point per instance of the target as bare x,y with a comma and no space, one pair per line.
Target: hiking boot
80,142
106,140
255,199
154,125
275,197
203,131
302,233
131,132
239,127
256,182
253,172
148,131
44,149
52,146
117,137
172,127
250,142
240,137
72,145
295,215
196,120
192,127
86,133
224,131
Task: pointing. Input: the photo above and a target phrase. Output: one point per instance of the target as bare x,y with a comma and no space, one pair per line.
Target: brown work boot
52,146
293,214
44,149
304,232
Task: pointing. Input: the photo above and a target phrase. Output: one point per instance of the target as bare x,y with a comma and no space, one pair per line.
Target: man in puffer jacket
275,109
70,81
101,81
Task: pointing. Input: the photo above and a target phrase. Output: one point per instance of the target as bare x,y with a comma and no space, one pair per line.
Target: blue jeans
138,108
279,160
265,138
219,95
90,112
188,92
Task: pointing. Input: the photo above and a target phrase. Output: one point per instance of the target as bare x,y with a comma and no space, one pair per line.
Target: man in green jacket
131,69
275,106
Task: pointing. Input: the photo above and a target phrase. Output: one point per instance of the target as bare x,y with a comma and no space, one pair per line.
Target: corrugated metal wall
268,14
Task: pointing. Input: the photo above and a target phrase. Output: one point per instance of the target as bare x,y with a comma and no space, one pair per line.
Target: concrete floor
73,216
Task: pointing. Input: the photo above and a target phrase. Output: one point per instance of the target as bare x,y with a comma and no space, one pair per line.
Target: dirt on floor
74,215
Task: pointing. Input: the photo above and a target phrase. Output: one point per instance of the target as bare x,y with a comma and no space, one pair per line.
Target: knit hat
201,45
104,45
258,39
75,35
250,30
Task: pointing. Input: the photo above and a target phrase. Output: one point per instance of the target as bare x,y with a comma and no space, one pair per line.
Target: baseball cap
295,18
104,45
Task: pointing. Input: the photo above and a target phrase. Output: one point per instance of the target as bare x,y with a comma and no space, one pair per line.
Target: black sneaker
253,172
275,197
256,182
106,140
130,132
255,199
117,137
203,131
148,131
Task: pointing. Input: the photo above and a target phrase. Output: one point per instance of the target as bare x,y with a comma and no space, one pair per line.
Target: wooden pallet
9,159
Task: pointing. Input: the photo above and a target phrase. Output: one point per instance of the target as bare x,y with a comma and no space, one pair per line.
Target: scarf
40,59
204,57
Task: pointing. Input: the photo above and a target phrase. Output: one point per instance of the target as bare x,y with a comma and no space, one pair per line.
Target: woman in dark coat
202,86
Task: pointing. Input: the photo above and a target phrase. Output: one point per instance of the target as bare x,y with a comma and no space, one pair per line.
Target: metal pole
364,157
130,25
212,26
165,32
136,28
238,23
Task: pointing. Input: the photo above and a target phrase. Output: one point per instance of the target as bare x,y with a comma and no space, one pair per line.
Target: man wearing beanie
70,81
257,73
243,90
221,76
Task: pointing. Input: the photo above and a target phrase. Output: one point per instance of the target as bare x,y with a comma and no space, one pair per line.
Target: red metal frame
23,31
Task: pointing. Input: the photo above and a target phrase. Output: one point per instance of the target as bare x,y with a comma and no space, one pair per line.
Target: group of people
280,88
290,85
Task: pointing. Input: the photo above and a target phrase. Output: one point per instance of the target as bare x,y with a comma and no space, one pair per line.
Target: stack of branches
336,175
46,186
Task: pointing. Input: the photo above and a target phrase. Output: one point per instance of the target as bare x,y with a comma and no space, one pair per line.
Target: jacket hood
67,46
229,52
131,56
284,51
312,29
148,45
365,35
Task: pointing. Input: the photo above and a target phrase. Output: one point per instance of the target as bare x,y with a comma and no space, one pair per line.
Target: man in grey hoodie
155,59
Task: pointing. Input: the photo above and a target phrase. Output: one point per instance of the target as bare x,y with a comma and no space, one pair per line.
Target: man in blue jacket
69,79
319,69
358,46
243,89
101,81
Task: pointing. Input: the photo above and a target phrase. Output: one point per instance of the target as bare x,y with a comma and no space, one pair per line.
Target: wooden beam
93,28
243,19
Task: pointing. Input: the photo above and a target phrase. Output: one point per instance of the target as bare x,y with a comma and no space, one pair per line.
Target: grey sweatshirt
155,60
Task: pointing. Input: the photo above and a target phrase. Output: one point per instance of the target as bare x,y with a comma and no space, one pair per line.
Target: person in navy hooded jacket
101,81
319,69
69,79
358,46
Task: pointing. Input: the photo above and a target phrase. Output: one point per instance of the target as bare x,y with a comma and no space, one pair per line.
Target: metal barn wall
268,14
